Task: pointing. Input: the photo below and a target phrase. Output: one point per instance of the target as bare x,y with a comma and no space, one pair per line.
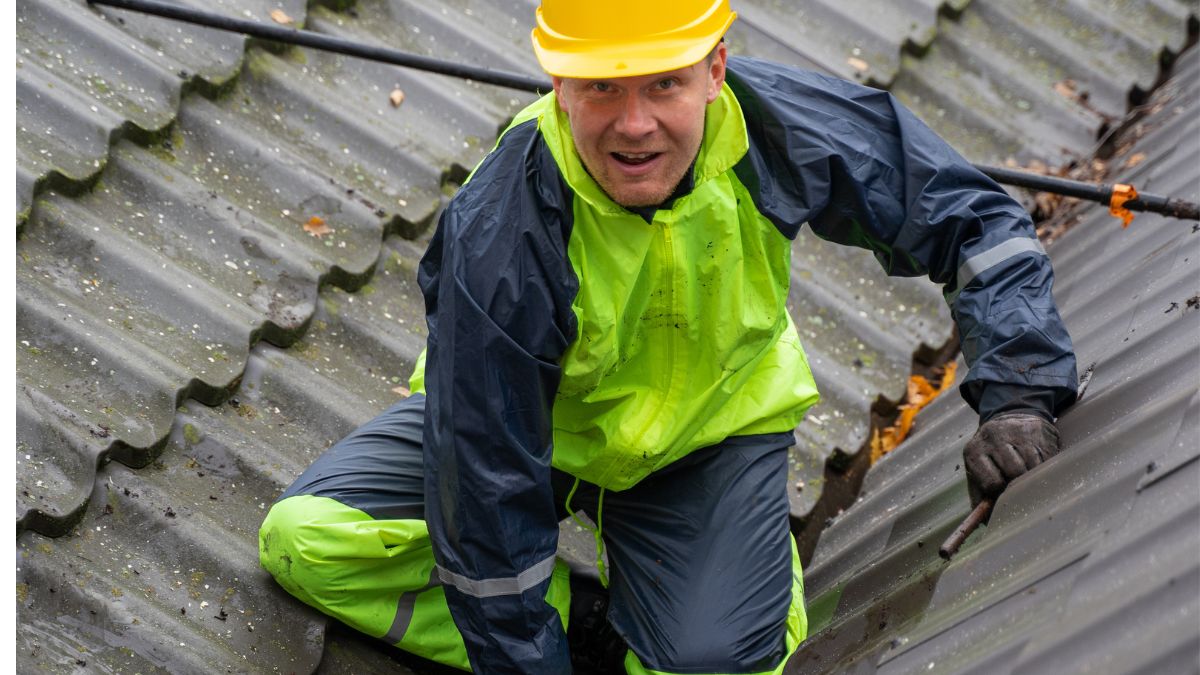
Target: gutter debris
920,394
891,422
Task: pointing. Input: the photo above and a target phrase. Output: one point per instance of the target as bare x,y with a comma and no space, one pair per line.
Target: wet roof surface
1089,564
174,315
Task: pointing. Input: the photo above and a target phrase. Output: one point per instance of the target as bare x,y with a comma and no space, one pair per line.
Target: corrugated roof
1027,80
164,177
1090,563
167,550
151,287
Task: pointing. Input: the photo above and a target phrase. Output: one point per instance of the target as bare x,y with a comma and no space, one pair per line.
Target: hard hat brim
585,59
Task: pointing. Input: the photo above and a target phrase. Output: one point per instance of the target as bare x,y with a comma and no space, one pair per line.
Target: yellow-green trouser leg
797,626
376,576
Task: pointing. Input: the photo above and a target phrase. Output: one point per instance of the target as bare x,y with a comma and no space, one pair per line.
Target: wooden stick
964,530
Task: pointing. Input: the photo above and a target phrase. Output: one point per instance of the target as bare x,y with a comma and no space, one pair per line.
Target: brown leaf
858,64
1046,203
280,16
396,97
1134,160
316,227
403,391
1067,89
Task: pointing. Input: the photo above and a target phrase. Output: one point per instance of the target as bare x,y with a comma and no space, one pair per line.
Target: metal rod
964,530
1176,208
329,43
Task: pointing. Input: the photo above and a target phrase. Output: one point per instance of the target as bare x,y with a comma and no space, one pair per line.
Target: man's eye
667,84
601,86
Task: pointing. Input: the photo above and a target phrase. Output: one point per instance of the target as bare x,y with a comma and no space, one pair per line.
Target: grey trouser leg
701,558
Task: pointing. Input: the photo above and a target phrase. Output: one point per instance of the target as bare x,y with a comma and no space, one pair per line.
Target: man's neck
684,187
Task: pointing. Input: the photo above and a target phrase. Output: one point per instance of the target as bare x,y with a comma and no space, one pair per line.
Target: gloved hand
1005,447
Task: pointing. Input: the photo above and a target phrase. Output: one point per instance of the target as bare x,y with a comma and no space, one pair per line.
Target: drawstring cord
594,530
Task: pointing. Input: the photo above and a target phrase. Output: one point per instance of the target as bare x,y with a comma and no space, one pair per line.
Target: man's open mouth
634,158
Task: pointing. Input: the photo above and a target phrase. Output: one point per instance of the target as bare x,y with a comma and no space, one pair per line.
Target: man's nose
636,119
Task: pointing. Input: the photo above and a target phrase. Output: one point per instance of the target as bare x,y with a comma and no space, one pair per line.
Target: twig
955,540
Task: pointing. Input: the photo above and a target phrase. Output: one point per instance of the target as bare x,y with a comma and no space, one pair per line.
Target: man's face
637,136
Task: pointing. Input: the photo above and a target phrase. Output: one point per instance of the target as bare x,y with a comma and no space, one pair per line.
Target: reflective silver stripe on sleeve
490,588
978,264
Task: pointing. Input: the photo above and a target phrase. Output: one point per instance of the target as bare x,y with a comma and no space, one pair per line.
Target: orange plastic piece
1122,193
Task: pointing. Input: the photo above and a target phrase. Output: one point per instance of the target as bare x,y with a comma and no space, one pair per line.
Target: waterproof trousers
704,575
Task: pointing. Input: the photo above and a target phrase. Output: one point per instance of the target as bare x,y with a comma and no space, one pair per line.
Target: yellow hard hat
623,38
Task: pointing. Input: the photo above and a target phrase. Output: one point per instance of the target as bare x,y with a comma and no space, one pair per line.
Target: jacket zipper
671,346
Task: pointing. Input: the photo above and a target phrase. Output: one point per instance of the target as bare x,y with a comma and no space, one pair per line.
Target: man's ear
716,71
558,91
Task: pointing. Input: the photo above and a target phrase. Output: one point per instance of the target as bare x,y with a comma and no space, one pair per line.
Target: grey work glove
1005,447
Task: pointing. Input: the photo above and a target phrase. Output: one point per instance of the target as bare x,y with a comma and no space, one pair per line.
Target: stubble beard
635,198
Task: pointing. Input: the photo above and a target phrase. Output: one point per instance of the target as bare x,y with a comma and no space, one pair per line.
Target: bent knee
754,635
287,550
761,652
324,552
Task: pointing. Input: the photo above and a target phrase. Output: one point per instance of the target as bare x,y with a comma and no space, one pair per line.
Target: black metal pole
1102,193
1176,208
329,43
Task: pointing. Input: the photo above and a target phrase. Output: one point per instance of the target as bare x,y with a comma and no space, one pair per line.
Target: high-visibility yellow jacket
681,337
567,331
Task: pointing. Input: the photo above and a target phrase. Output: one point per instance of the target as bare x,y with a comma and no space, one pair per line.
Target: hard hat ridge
624,38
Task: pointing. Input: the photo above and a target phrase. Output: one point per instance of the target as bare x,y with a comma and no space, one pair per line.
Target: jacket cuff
1001,397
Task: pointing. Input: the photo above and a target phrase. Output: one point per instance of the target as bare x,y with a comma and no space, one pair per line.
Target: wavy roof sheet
174,315
1089,564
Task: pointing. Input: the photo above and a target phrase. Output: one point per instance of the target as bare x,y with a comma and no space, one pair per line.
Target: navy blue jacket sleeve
863,170
498,288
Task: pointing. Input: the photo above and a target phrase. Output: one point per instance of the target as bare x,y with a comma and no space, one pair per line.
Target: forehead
683,74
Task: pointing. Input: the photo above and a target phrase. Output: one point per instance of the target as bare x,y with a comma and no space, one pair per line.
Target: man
608,331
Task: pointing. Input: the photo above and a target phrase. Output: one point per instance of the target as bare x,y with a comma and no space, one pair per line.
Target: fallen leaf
403,391
396,97
316,227
858,64
878,448
948,373
1134,160
280,16
1038,167
920,394
1066,89
1046,202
